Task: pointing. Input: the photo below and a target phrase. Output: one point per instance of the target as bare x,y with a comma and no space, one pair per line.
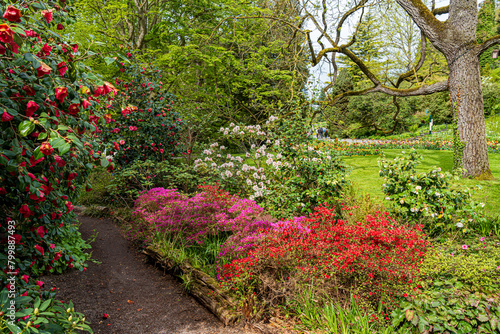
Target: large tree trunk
467,97
456,39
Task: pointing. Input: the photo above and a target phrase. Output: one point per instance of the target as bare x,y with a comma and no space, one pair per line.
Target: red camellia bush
368,259
142,121
47,145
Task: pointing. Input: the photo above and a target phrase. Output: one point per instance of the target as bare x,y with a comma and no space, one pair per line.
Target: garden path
139,298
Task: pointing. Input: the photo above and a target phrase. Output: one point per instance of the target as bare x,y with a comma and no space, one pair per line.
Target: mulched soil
138,297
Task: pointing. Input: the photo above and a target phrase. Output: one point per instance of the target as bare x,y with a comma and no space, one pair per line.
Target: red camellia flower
59,161
25,211
47,49
75,48
40,249
46,149
57,256
61,93
62,68
74,108
69,206
41,231
105,316
6,34
43,70
39,283
25,278
59,27
12,14
6,117
31,107
47,15
29,90
2,191
85,104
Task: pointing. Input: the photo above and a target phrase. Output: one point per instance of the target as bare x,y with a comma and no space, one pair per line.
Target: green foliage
474,263
458,290
129,181
100,178
486,28
40,312
333,318
426,196
212,53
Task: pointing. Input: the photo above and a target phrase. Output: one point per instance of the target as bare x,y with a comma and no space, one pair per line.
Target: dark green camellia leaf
26,127
64,148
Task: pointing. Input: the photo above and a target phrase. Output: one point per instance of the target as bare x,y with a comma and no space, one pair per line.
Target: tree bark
466,93
456,39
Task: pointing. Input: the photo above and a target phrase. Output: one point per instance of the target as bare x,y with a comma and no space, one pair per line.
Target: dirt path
139,298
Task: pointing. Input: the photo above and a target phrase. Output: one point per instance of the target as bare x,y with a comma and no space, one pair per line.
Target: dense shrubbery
46,150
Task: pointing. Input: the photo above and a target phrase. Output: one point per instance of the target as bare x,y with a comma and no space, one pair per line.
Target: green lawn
366,180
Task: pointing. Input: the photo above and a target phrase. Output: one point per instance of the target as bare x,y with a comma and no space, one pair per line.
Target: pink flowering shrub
167,211
208,213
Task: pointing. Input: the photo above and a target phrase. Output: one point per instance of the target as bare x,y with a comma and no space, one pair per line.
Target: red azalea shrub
368,258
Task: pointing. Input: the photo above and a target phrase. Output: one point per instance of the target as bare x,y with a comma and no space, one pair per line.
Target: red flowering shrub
366,258
46,144
143,124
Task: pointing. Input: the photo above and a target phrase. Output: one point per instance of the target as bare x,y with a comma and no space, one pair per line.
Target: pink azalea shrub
208,213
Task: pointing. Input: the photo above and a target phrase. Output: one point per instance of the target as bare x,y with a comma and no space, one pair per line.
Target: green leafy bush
41,313
426,196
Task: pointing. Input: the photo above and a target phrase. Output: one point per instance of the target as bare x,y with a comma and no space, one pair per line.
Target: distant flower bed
343,148
375,146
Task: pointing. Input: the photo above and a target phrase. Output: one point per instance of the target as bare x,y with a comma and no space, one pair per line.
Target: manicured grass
366,180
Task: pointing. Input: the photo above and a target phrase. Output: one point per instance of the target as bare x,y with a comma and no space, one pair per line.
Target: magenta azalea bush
211,212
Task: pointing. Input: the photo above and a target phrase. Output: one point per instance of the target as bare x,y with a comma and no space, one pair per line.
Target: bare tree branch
426,21
441,10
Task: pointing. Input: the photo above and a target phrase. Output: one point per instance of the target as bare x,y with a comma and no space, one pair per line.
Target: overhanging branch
421,90
441,10
487,44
